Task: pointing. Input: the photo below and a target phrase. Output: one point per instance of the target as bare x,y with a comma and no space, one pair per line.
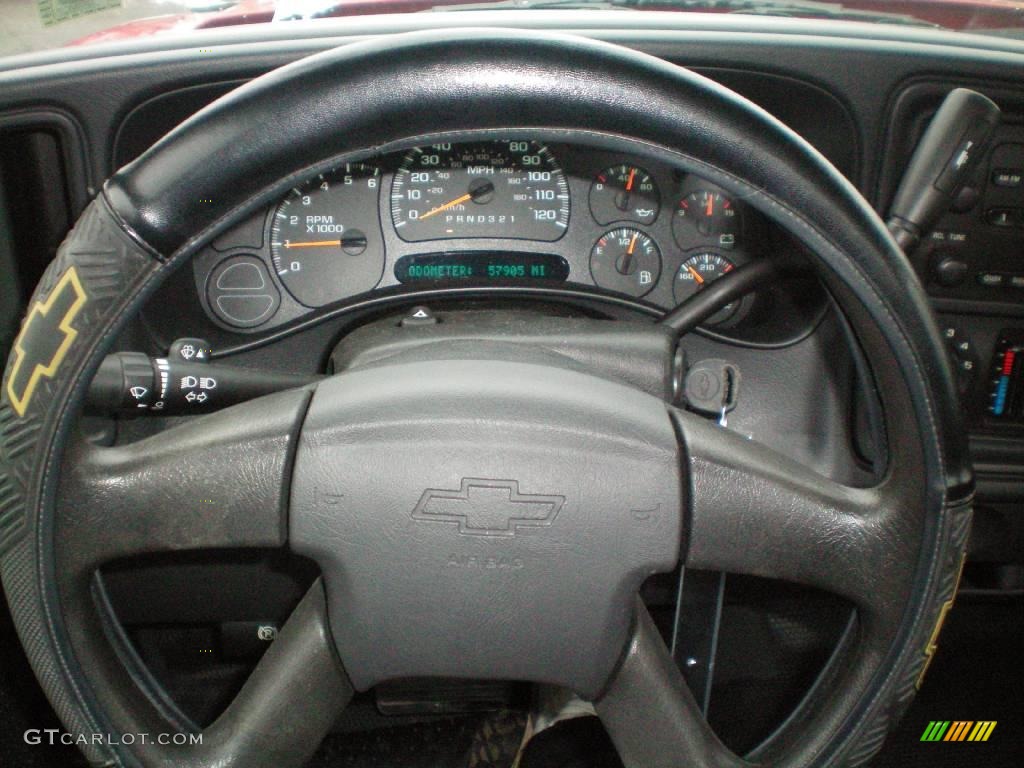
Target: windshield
33,25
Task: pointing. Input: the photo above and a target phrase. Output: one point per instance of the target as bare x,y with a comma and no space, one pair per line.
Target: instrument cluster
506,212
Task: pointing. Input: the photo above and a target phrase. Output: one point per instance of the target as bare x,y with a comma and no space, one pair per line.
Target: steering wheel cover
111,269
372,96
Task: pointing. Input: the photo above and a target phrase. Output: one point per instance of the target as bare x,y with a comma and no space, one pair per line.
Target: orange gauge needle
711,206
313,244
624,264
464,198
629,181
696,275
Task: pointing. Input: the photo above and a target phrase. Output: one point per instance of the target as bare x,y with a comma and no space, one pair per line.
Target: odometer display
481,267
499,189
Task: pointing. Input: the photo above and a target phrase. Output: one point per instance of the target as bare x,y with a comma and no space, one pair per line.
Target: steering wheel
364,471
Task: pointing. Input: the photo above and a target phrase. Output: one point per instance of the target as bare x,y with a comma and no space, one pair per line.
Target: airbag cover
484,519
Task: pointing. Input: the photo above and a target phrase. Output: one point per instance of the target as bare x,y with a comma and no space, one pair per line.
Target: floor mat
978,674
489,741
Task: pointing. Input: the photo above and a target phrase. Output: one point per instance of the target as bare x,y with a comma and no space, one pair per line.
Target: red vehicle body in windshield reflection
962,15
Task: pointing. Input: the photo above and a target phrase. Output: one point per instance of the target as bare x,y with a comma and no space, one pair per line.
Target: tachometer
506,189
325,240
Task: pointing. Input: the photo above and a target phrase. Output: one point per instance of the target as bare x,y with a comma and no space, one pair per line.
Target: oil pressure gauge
625,260
624,193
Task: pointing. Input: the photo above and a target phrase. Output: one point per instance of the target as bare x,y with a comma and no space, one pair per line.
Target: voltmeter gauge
325,239
624,193
625,260
706,216
699,271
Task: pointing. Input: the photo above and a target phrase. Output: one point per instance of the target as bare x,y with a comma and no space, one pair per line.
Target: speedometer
506,189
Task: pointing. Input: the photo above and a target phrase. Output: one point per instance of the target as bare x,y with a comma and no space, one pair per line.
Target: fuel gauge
626,260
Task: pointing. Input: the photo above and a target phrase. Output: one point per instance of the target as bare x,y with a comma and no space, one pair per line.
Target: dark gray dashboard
860,94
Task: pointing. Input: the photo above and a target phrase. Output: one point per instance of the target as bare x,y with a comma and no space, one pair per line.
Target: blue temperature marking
1001,390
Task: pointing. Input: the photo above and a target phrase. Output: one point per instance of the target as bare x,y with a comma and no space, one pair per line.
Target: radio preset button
991,279
1002,217
1007,177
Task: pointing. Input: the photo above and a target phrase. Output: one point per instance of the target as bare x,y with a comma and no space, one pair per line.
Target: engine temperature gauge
626,260
699,271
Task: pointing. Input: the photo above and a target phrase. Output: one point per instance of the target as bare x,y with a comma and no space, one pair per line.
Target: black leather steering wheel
359,471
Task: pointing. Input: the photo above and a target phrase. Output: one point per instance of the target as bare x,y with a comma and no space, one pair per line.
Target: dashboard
507,212
552,219
860,94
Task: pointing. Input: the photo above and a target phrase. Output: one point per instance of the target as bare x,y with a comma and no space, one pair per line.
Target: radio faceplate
975,251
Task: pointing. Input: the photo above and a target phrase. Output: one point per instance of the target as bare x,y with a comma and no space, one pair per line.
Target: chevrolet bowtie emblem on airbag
487,507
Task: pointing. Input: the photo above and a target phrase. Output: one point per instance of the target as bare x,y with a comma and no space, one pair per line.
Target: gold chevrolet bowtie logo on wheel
45,338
